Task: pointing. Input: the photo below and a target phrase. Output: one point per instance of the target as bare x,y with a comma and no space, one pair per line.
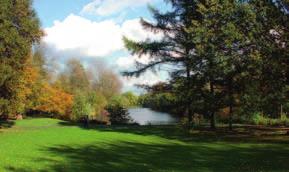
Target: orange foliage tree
55,101
22,88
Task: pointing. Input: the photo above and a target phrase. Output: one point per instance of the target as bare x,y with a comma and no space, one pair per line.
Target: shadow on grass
203,134
128,156
6,124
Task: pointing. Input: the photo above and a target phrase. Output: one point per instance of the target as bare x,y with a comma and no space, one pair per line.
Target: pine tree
175,49
272,69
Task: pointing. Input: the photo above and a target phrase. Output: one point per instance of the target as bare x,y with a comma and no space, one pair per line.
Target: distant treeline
31,83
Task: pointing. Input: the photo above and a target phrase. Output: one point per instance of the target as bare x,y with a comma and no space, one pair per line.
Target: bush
131,98
118,114
98,103
120,101
259,119
80,108
184,123
284,120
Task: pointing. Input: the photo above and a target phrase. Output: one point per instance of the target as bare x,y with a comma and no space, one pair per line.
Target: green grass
52,145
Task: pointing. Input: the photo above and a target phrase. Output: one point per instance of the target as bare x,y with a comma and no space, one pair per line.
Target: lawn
52,145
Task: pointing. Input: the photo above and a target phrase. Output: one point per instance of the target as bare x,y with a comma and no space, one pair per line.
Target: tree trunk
213,121
231,118
188,85
190,117
231,99
212,116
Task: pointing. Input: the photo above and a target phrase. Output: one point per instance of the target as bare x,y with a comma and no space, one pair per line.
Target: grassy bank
53,145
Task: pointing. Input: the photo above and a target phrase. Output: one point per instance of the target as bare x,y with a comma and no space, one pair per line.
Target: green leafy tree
81,107
131,97
118,114
19,29
223,39
271,67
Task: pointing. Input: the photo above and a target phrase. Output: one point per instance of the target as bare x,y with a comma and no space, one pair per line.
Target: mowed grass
52,145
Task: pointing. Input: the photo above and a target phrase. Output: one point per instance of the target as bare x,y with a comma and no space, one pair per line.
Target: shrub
119,100
80,108
284,120
131,98
184,123
118,114
98,103
259,119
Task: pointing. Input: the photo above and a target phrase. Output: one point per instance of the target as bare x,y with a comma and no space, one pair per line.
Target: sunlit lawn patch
50,145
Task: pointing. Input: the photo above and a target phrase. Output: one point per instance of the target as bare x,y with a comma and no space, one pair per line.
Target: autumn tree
19,29
77,77
104,80
54,101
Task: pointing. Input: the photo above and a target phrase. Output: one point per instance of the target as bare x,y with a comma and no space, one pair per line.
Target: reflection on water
144,116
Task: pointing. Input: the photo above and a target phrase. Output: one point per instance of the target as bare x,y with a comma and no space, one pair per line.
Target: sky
93,29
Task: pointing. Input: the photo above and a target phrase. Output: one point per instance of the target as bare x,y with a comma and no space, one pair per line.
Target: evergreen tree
271,69
223,40
19,29
175,48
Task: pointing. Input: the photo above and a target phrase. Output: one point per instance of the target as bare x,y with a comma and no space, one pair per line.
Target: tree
77,76
223,40
74,78
131,97
81,107
98,103
103,80
19,29
271,67
176,47
54,101
238,43
118,114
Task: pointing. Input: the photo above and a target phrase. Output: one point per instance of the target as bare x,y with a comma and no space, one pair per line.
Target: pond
146,116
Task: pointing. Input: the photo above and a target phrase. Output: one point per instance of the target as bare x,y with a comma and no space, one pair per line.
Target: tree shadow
6,124
201,134
130,156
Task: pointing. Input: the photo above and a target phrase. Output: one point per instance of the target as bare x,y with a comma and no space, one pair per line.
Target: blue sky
93,29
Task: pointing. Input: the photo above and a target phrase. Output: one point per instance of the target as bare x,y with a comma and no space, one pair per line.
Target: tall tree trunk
231,99
190,116
188,85
213,121
212,115
231,117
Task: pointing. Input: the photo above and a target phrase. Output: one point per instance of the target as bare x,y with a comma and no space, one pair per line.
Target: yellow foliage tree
54,100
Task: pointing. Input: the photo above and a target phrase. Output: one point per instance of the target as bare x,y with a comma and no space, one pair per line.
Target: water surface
145,116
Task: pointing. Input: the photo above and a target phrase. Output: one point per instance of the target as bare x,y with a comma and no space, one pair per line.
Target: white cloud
83,37
108,7
135,31
77,36
128,62
87,37
148,78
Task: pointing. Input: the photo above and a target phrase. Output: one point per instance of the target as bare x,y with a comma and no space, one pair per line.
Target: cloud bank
79,37
86,38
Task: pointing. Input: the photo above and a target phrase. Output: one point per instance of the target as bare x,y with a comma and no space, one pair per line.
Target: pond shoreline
147,116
